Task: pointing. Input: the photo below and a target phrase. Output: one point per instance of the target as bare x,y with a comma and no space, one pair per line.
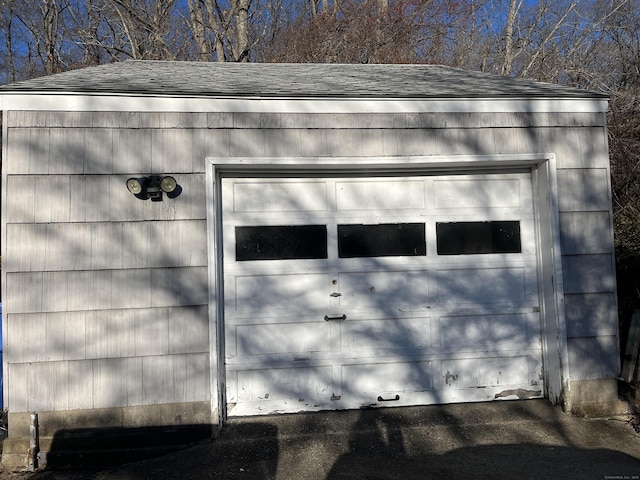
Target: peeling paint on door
519,393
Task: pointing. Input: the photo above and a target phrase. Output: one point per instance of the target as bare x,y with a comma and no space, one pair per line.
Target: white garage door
352,292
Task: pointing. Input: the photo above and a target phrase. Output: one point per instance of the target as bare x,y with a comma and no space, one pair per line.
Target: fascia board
126,103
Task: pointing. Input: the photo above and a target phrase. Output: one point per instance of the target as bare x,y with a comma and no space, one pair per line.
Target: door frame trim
550,280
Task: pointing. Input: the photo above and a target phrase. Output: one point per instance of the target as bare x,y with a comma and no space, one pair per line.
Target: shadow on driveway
499,440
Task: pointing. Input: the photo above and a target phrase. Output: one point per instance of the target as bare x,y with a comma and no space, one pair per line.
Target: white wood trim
554,332
542,166
216,288
131,103
558,283
358,165
3,251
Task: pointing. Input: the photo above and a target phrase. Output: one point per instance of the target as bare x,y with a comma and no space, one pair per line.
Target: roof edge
82,102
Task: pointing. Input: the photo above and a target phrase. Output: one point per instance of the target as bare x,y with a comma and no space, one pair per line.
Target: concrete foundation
595,398
97,436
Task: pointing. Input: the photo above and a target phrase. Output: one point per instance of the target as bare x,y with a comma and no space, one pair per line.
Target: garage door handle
334,317
391,399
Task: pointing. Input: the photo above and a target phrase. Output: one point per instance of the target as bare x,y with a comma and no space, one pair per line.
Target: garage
365,291
337,237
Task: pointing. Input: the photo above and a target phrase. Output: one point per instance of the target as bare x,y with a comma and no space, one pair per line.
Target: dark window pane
383,240
287,242
469,238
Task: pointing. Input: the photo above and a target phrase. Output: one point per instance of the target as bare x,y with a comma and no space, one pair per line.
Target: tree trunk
242,31
8,40
199,30
50,30
383,8
514,6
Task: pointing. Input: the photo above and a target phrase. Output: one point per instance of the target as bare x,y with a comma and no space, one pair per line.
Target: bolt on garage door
352,292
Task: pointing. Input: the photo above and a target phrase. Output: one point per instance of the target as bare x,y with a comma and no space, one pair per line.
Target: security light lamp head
168,184
134,186
152,187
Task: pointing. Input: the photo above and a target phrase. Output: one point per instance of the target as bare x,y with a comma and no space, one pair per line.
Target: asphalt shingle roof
146,77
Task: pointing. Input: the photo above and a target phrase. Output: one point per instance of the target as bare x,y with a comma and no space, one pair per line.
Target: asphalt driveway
500,440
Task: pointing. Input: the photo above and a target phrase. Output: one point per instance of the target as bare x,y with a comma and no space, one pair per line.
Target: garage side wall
106,295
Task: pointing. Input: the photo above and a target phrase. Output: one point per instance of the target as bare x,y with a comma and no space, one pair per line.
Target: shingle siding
117,288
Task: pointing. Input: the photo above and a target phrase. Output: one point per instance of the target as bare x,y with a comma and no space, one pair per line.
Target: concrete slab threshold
514,439
500,440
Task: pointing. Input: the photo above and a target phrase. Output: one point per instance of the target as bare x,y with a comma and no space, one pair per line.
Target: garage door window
382,240
470,238
281,242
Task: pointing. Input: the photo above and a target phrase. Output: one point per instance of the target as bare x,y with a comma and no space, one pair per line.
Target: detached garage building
184,242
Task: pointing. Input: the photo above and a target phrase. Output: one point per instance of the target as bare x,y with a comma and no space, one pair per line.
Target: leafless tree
39,26
7,19
142,25
222,28
369,31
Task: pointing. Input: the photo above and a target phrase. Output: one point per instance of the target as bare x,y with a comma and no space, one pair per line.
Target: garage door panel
368,381
481,286
282,292
481,330
411,333
476,193
380,195
283,338
484,262
279,197
373,289
296,384
485,372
